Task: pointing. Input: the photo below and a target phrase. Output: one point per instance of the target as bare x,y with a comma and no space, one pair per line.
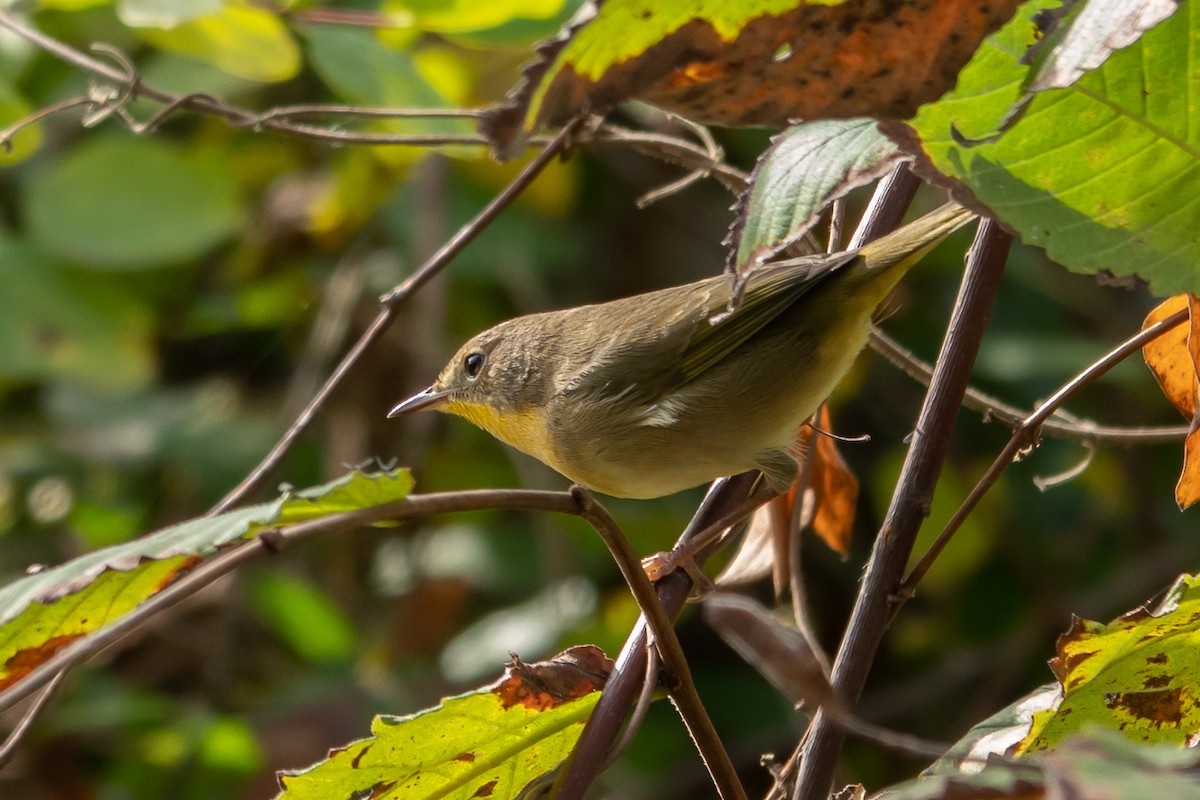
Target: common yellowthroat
646,396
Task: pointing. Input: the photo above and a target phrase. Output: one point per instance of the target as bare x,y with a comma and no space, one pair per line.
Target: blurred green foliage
169,301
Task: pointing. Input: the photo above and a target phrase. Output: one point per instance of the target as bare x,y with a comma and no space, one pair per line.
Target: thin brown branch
910,502
1026,435
683,689
7,134
701,157
35,709
1061,425
729,500
413,507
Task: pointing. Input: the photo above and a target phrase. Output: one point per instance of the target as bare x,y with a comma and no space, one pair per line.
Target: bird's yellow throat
524,429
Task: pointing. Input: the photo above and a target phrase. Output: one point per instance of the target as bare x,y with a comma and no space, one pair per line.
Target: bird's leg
684,556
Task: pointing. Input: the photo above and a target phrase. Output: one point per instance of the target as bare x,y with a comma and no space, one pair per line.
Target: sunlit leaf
489,743
764,62
1100,174
1098,765
1139,674
242,39
1088,34
460,16
49,608
126,204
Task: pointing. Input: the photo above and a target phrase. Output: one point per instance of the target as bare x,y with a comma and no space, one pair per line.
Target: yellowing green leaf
13,107
459,16
243,40
164,13
50,608
1139,674
489,743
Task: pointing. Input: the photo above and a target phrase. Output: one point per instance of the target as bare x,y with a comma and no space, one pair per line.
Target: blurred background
169,302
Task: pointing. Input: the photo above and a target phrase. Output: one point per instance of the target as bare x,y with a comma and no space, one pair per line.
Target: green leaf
1100,174
999,733
246,41
45,610
361,69
57,323
1139,674
304,617
489,743
807,167
130,204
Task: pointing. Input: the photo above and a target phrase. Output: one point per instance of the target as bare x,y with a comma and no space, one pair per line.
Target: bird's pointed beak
425,401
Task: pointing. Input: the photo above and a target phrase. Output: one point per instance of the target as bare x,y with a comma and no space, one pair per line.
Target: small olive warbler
646,396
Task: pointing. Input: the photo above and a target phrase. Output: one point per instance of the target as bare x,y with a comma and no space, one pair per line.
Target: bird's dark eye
473,365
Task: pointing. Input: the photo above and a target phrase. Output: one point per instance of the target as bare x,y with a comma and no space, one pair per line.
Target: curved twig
1061,425
1026,434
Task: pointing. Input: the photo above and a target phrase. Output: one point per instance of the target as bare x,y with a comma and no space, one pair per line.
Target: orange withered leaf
1174,358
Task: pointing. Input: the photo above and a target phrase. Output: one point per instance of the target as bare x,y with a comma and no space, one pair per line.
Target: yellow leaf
249,42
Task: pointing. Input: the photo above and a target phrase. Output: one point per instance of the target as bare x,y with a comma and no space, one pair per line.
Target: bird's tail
909,244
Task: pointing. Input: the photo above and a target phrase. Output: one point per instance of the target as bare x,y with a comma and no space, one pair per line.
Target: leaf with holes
1139,674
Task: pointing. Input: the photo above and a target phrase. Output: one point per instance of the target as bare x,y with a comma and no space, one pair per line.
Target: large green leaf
1103,173
127,204
58,323
49,608
489,743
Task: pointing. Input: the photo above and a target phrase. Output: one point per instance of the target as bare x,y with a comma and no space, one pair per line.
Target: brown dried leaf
543,685
1169,356
758,63
1174,358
